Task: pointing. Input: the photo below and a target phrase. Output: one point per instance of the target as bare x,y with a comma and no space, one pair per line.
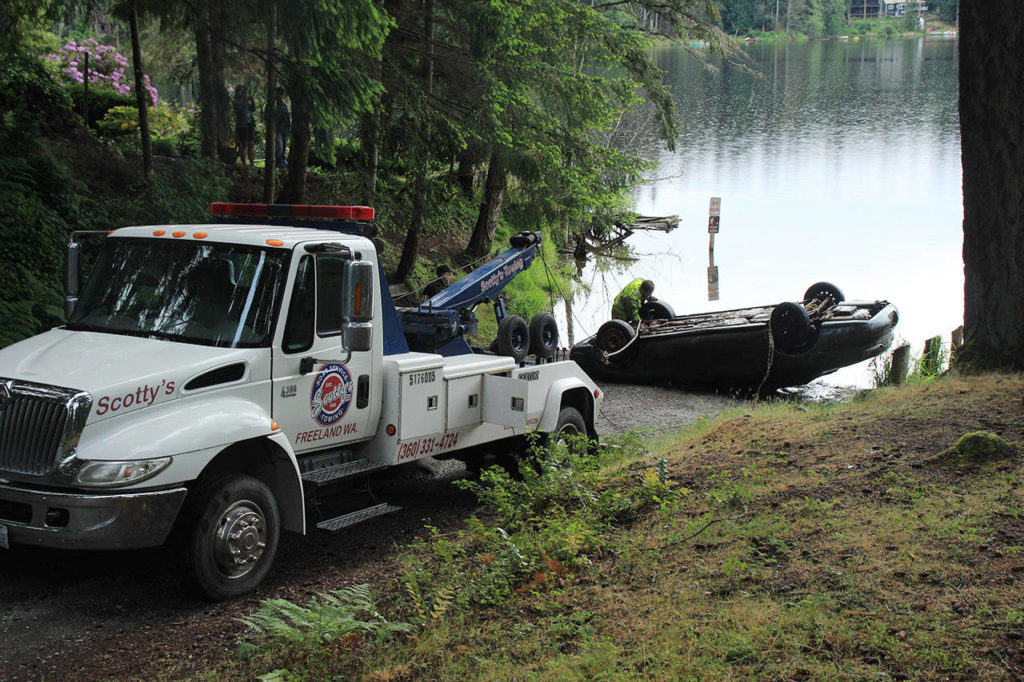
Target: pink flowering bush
108,68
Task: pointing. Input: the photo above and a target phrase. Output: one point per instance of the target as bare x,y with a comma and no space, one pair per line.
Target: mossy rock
975,448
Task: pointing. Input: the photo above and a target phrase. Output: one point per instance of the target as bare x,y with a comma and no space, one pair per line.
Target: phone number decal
427,446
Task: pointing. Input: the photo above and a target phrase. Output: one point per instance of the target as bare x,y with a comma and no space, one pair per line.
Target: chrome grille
39,425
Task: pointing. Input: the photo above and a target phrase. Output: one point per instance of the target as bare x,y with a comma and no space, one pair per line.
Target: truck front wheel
234,527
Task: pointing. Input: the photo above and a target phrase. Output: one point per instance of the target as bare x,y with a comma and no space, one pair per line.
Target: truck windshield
211,294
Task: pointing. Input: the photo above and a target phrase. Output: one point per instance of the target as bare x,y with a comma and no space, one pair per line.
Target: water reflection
840,162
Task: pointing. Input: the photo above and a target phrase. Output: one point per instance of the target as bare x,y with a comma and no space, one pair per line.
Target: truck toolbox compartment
420,395
504,400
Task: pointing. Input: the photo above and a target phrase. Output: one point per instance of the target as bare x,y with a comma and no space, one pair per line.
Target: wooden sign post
714,216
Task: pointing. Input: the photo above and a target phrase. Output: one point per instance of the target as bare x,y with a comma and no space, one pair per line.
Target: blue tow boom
439,323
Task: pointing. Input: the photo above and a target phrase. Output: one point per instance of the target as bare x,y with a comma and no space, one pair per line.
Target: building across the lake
872,9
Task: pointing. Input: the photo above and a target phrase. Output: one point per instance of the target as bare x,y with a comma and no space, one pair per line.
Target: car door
330,404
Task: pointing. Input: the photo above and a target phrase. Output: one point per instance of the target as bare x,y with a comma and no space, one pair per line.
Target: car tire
656,310
613,335
820,290
791,329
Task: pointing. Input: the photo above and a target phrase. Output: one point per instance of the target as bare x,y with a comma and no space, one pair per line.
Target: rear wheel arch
583,400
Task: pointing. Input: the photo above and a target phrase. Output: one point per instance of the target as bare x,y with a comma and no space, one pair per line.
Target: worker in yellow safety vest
629,301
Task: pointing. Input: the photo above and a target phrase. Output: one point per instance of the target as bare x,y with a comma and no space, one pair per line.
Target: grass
776,542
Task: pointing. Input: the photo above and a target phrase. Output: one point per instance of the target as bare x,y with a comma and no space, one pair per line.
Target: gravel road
656,408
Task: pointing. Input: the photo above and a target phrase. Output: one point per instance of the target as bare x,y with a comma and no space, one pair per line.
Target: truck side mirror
357,306
71,270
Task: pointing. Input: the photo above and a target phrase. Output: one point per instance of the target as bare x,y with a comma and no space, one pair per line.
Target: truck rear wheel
570,431
233,533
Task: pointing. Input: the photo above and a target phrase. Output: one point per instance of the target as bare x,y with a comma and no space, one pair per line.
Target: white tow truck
214,380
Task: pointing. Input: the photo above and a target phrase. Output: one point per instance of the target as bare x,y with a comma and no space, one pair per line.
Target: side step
339,472
346,520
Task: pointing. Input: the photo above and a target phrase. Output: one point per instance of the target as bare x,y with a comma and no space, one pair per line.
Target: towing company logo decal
331,395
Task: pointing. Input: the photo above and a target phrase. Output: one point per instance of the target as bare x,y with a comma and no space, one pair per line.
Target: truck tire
232,536
570,431
513,338
544,335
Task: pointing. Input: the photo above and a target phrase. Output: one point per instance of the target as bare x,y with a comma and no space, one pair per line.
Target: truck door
329,405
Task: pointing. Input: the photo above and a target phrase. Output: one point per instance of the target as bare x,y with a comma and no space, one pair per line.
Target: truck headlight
121,473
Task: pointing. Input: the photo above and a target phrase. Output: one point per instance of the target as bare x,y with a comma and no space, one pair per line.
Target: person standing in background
244,125
283,122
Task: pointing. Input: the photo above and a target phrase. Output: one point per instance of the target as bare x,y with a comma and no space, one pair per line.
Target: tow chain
771,356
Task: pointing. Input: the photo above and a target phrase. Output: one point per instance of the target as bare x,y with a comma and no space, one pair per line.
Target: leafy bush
538,523
165,146
31,101
164,122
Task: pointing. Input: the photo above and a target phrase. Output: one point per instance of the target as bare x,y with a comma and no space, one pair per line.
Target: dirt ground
115,615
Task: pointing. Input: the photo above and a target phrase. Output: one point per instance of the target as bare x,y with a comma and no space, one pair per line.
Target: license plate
4,542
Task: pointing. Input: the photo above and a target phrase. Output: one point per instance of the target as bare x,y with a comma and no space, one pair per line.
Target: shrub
31,101
106,67
538,523
101,100
164,122
165,146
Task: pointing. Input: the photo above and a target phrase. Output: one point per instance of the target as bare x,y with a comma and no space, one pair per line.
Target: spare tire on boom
544,335
513,337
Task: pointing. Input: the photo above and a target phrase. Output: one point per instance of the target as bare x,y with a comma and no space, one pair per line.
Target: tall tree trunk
223,120
207,95
140,92
490,209
369,135
411,247
992,133
215,123
294,190
269,115
467,161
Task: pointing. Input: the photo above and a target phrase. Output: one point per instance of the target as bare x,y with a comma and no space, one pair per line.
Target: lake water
839,162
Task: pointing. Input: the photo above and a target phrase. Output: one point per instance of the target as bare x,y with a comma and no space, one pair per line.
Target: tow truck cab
216,378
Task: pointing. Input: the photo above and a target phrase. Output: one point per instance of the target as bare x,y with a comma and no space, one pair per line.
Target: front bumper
81,521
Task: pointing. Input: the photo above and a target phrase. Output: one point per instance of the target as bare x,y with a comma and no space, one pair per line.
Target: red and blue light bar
292,211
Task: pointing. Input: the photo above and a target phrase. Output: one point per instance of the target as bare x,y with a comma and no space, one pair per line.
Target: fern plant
329,617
